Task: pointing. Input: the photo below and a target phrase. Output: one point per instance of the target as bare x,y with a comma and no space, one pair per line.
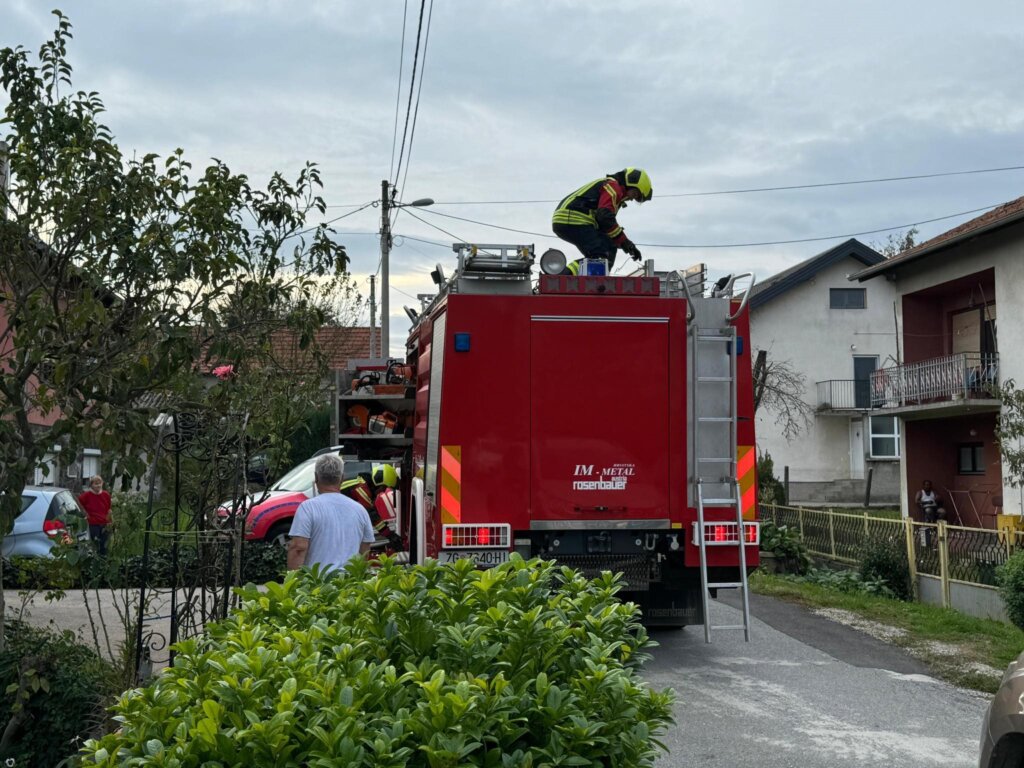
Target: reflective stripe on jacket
595,204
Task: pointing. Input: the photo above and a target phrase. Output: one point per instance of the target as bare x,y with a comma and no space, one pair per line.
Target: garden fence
950,553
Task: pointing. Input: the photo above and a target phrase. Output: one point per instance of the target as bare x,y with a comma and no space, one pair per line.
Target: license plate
485,558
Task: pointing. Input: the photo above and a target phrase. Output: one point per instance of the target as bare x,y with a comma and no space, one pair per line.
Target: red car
270,518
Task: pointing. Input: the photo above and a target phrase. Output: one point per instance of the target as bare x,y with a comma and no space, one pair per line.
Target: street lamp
386,204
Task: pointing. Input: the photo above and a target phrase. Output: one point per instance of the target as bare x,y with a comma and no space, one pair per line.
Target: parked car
1002,734
47,515
270,518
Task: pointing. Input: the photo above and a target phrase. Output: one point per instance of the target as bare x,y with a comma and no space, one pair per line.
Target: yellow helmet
638,179
384,474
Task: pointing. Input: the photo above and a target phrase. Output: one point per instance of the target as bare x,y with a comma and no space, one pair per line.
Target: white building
835,333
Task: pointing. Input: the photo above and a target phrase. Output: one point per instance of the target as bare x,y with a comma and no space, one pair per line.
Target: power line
404,293
419,89
412,87
723,245
766,189
398,90
363,207
446,246
739,191
441,229
829,237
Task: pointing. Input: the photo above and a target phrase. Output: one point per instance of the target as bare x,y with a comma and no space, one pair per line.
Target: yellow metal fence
951,553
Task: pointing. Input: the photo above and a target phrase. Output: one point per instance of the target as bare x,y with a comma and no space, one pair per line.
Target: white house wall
798,326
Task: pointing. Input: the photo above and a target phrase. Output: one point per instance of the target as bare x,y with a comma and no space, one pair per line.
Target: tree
896,243
1010,431
121,276
779,388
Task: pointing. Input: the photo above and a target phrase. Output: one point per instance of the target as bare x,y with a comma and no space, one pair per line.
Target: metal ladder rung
722,379
725,584
710,339
727,460
721,503
728,626
715,419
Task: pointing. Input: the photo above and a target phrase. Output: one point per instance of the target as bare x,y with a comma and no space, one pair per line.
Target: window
885,437
847,298
971,459
90,464
47,475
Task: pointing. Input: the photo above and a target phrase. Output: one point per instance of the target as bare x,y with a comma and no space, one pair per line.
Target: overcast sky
529,100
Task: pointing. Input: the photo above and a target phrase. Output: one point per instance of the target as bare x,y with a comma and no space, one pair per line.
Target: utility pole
373,316
385,252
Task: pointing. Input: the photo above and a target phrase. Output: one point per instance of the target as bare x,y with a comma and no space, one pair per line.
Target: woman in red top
96,503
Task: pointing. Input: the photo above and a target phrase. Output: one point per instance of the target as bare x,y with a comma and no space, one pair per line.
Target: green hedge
522,665
1010,578
56,690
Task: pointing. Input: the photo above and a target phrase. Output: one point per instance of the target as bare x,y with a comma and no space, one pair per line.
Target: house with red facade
960,331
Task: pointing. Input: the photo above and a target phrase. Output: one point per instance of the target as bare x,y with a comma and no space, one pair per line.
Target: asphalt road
807,692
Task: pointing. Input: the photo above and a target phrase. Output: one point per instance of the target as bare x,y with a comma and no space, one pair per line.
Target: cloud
528,101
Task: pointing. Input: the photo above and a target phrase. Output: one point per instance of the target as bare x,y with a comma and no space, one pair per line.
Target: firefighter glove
630,247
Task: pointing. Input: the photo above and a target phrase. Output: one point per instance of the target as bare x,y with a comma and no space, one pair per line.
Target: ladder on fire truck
714,365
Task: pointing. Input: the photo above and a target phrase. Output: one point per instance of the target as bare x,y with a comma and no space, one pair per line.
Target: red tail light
719,533
751,533
483,536
449,537
54,528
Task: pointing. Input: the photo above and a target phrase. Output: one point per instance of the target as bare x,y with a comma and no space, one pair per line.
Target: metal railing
951,553
844,395
964,375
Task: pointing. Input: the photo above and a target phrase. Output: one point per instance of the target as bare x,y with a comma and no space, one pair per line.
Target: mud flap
678,607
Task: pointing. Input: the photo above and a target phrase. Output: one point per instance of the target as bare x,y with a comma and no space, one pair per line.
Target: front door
857,449
863,367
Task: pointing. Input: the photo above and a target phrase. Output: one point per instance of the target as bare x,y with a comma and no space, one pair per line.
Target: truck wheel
278,534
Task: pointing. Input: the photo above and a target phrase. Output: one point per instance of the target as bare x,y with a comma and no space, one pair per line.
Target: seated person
930,504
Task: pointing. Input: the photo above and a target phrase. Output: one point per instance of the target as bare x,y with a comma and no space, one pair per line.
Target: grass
956,647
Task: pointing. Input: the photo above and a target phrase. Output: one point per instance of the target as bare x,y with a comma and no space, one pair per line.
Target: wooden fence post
832,532
943,537
908,535
800,518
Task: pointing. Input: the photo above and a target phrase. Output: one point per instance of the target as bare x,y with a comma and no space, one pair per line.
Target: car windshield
299,479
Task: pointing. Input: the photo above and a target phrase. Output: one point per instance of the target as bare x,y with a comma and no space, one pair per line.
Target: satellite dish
552,262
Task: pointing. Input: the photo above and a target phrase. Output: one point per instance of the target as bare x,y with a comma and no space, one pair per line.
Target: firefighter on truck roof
378,498
586,218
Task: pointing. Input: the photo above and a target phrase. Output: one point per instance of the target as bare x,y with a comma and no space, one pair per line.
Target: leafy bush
54,690
527,664
886,561
770,489
785,543
263,561
847,581
1010,577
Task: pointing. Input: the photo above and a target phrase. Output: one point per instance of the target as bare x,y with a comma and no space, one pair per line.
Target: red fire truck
603,421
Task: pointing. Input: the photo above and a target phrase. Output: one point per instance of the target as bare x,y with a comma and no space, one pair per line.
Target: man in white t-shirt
329,529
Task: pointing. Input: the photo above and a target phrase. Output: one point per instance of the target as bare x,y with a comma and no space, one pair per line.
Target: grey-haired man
329,529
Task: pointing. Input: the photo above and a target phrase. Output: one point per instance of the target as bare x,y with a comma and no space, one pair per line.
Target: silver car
1002,735
47,515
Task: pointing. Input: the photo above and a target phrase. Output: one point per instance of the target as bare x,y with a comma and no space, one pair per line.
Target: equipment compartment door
599,393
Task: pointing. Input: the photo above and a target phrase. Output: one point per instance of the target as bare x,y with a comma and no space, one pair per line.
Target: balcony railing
844,395
960,376
940,379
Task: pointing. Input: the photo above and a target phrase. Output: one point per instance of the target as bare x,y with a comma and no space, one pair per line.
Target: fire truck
603,421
